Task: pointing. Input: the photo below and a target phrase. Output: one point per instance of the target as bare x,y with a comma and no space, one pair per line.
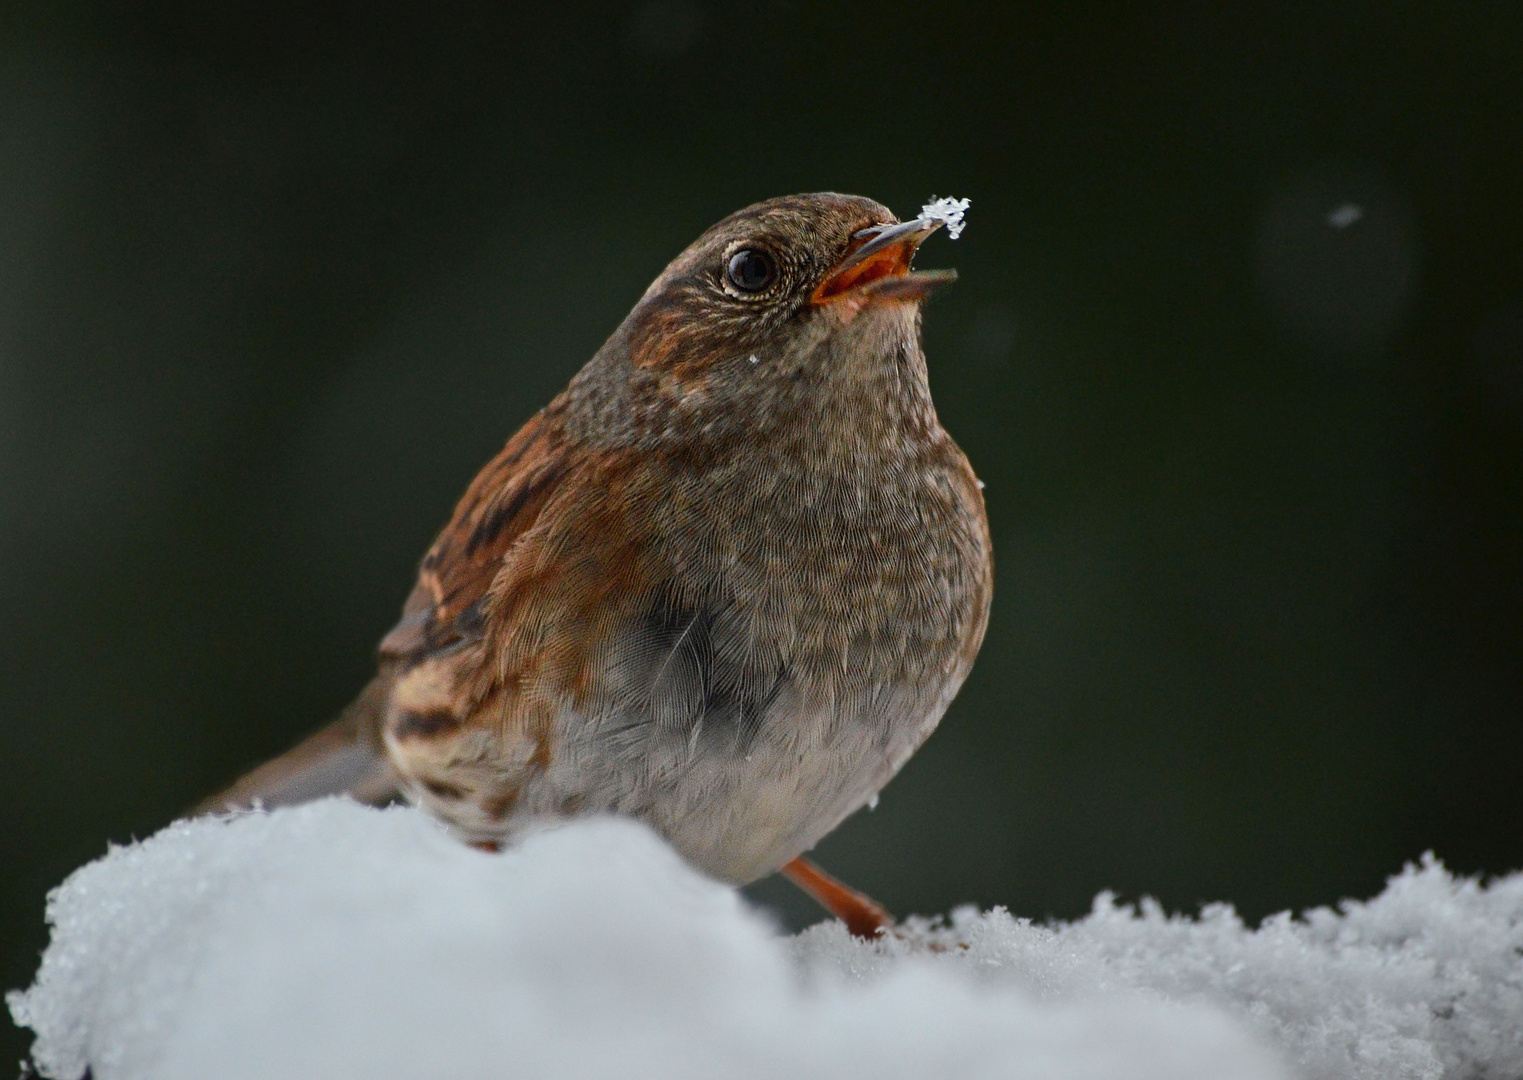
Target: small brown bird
726,583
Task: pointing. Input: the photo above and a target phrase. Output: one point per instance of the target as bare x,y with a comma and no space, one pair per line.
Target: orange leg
863,915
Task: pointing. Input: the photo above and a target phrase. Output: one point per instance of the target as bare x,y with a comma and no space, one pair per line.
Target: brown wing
442,613
505,622
502,503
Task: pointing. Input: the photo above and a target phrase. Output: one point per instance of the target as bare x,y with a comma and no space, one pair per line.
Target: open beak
877,269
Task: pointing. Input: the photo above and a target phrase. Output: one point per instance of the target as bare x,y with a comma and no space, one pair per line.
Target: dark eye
750,270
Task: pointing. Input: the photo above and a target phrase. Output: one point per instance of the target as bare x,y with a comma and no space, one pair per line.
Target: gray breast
745,717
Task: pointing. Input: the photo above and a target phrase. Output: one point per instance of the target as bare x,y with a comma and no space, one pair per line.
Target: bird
726,583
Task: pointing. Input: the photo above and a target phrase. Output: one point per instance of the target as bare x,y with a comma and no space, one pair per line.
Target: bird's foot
864,917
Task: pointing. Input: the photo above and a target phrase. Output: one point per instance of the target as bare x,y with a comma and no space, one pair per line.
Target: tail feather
345,758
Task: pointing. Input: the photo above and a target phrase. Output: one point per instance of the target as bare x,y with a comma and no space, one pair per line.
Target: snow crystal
1345,215
1424,981
332,940
949,211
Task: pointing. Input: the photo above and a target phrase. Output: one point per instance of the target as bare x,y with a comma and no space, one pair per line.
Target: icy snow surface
949,211
336,941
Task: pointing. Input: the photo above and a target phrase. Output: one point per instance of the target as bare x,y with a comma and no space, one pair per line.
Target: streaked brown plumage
726,582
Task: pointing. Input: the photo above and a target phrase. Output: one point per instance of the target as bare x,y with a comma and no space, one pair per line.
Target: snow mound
336,941
1424,981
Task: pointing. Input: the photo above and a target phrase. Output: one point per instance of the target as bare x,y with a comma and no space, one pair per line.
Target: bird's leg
864,917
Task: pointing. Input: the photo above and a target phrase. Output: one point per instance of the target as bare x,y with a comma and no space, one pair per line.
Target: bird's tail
345,758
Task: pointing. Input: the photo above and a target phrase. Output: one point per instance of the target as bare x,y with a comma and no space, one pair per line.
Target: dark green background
275,279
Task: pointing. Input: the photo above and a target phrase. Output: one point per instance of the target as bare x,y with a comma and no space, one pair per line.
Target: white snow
336,941
1426,980
949,211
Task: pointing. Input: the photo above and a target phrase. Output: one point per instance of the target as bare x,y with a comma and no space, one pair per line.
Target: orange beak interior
892,261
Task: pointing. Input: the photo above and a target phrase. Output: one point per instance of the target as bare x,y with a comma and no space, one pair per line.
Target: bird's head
785,281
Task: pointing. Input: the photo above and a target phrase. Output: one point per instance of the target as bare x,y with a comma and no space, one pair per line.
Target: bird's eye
750,270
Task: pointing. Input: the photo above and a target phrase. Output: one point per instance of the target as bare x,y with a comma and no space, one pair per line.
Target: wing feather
444,609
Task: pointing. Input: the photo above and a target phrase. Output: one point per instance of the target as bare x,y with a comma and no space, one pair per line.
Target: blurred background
1237,348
